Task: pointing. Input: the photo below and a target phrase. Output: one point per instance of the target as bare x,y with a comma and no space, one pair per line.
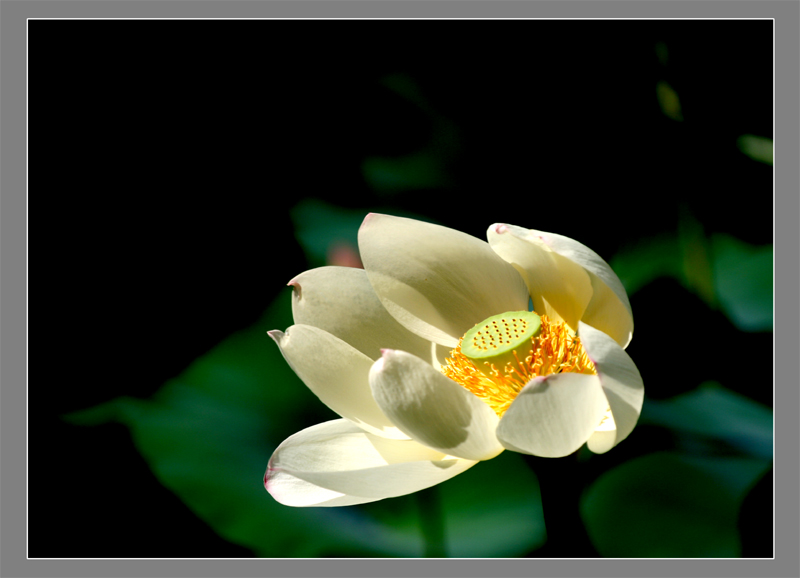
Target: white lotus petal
341,301
608,313
553,415
559,288
433,409
608,308
436,281
292,491
621,383
336,463
337,373
602,440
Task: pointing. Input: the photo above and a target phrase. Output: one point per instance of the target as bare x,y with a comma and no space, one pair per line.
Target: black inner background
164,157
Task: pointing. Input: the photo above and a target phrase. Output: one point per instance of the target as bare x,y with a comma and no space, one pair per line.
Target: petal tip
296,288
368,219
276,334
377,367
500,228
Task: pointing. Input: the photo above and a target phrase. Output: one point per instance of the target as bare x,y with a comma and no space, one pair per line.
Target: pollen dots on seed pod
506,331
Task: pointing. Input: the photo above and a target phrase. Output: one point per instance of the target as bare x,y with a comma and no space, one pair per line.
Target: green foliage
714,412
669,505
725,272
757,148
743,277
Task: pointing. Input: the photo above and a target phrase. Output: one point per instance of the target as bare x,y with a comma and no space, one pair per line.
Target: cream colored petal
602,440
553,415
559,287
608,313
433,409
337,373
436,281
599,299
292,491
341,301
336,463
621,383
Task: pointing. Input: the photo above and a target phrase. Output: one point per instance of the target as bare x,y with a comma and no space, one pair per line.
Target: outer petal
553,415
552,266
341,301
337,373
336,464
433,409
621,383
436,281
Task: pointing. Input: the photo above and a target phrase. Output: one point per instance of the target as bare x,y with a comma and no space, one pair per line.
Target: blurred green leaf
668,100
716,412
494,509
666,505
725,272
743,276
647,260
208,436
757,148
419,170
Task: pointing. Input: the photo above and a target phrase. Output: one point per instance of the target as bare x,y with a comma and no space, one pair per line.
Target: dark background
164,158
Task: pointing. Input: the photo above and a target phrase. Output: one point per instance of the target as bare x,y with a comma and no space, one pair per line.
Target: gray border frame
14,257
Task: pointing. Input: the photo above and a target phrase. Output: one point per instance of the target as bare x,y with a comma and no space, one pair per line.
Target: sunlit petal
341,301
553,415
436,281
336,463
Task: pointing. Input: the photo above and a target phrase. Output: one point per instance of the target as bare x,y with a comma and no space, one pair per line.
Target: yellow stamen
555,350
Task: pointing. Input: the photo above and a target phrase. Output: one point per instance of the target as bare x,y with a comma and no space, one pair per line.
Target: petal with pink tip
337,373
341,301
552,272
559,287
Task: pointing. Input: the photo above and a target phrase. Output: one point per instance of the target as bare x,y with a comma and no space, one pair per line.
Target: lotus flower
446,350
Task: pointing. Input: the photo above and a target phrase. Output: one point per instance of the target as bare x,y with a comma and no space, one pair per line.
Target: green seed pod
494,341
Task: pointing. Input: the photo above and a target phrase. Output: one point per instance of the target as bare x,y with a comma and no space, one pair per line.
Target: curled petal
433,409
436,281
336,463
621,383
553,415
568,278
337,373
558,287
341,301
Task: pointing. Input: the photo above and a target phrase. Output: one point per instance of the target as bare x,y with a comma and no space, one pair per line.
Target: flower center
499,356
